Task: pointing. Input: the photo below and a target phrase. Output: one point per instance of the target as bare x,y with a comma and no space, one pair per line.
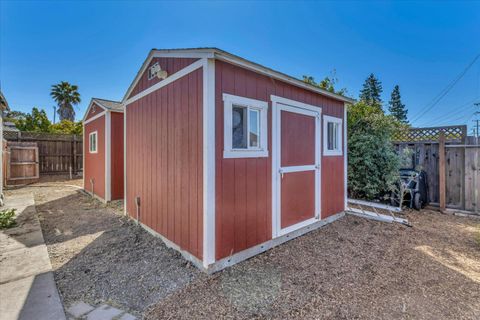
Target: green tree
66,95
373,163
396,107
328,83
67,127
371,92
37,121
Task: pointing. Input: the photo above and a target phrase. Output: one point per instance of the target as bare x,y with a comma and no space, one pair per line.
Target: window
245,127
332,136
92,142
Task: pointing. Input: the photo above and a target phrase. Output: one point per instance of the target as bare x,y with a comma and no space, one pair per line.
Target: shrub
7,218
373,164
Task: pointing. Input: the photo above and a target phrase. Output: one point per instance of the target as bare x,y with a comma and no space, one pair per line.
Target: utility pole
54,113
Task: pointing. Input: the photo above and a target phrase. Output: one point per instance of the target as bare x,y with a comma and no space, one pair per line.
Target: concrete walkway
27,287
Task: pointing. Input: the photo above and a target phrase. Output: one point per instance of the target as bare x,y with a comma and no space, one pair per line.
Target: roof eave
228,57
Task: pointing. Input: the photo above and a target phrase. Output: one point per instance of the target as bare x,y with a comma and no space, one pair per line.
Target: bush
7,218
373,164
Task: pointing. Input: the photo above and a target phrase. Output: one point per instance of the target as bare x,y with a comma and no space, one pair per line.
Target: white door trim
279,104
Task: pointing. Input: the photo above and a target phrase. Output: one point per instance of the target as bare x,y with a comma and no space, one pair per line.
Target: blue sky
421,46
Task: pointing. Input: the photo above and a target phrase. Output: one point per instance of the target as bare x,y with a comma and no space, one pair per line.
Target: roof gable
198,53
98,106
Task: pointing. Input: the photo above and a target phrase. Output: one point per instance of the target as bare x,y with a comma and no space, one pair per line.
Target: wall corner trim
208,161
108,156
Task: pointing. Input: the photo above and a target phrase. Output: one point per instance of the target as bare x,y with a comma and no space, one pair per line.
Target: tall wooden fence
452,162
58,153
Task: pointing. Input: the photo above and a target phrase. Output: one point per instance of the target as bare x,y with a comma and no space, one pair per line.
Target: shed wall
117,155
95,162
244,186
171,65
94,110
165,161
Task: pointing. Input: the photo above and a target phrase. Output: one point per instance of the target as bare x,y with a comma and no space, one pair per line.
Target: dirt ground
351,269
99,256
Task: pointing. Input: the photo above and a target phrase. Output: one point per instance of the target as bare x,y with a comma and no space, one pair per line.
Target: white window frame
249,152
95,133
339,150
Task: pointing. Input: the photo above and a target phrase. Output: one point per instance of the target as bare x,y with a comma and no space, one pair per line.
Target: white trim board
208,161
280,104
108,156
90,134
339,122
95,117
261,107
203,53
345,155
90,106
166,53
177,75
253,251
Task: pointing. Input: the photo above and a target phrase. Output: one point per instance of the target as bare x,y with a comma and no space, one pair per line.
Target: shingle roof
109,104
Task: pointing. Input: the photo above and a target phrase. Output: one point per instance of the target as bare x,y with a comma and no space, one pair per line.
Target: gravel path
99,256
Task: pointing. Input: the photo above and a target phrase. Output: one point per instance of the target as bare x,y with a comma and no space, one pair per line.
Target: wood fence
452,162
57,153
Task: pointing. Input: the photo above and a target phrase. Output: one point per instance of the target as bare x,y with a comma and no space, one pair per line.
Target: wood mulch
351,269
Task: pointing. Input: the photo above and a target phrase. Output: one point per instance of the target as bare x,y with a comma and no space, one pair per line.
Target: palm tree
66,95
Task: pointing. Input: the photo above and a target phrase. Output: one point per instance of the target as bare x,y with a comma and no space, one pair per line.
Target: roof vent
156,71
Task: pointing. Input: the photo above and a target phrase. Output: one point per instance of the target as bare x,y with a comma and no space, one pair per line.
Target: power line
454,111
445,91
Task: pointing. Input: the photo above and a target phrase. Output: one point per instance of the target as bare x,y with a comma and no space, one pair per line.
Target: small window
92,142
332,136
245,134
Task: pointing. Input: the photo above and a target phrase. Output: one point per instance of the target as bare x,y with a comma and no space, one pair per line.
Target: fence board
58,154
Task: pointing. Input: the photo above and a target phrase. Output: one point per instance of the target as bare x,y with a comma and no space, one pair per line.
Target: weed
7,218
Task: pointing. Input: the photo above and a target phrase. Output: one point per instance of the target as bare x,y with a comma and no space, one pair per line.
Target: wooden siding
95,162
243,186
171,65
117,155
94,110
165,161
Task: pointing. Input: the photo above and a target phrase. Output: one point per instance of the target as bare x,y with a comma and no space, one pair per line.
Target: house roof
109,104
211,52
9,127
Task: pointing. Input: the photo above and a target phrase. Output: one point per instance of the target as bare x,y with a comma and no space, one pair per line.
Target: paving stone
127,316
104,312
79,309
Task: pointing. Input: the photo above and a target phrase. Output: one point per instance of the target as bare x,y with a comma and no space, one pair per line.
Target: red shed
226,158
103,149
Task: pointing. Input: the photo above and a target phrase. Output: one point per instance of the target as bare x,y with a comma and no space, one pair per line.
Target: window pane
335,136
239,127
330,136
254,120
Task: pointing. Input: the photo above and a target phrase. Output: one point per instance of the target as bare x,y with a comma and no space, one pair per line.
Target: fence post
441,168
74,160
